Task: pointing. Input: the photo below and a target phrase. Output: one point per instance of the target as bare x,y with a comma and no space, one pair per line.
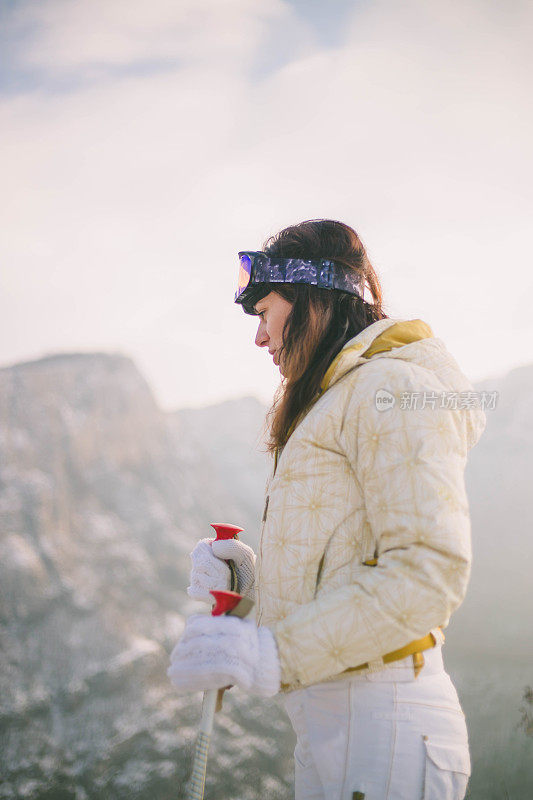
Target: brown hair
321,321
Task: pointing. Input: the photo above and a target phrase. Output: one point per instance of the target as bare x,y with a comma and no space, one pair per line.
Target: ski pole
239,606
226,531
226,603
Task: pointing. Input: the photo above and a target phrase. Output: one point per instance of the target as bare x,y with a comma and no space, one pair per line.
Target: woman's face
273,311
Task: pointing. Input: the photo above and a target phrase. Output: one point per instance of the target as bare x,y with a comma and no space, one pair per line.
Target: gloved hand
209,570
214,652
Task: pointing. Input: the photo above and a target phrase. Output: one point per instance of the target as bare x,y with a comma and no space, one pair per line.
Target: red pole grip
225,602
225,531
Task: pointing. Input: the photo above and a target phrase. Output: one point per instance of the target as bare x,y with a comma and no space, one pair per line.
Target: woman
365,542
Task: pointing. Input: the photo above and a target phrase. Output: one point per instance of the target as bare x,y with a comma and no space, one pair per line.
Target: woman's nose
261,337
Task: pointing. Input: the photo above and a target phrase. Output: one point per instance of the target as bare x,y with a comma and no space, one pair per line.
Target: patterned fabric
356,482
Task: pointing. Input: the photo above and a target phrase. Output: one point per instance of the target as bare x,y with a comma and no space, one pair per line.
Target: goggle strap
323,273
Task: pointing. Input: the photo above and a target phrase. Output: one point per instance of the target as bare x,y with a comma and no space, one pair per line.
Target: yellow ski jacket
374,472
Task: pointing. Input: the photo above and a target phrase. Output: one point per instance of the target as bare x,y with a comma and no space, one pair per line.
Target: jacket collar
379,337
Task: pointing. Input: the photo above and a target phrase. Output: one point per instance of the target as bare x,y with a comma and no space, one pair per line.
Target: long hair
320,322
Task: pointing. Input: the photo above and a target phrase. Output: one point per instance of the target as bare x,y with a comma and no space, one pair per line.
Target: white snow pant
382,735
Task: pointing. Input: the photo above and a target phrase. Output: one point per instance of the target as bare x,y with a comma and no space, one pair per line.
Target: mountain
496,613
229,436
102,497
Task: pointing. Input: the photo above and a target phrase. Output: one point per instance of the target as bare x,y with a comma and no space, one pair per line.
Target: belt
414,648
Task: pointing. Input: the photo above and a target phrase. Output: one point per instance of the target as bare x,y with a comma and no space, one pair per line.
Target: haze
144,144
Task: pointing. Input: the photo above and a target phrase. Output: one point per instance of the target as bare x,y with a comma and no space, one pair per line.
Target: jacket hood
412,341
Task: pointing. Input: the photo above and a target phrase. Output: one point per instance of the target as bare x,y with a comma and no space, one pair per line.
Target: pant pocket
295,712
447,769
302,755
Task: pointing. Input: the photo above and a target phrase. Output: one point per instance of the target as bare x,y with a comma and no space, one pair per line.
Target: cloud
73,35
127,195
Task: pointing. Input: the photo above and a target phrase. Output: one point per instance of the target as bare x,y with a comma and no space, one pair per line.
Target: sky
143,144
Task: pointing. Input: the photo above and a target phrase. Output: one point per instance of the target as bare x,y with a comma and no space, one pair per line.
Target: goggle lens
245,271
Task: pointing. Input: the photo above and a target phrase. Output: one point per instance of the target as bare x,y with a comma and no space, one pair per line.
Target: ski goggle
257,269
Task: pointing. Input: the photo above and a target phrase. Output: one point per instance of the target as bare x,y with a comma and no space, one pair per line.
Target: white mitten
209,570
243,557
214,652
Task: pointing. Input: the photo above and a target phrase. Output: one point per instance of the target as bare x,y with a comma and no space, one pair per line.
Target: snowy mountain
229,435
496,613
102,497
